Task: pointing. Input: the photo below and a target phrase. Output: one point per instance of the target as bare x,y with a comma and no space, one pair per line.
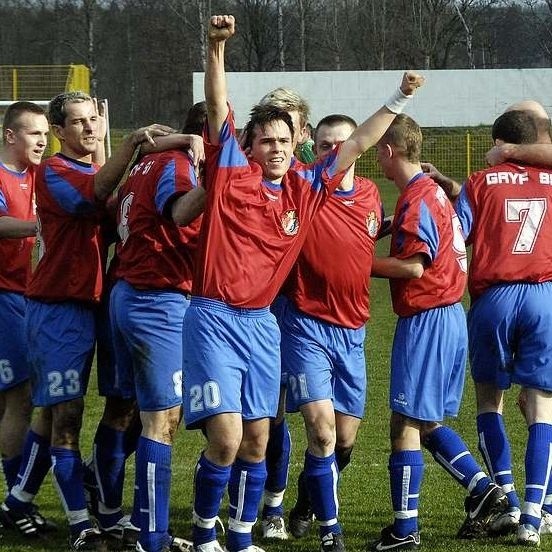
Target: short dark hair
262,115
195,119
14,112
406,135
56,107
515,127
334,120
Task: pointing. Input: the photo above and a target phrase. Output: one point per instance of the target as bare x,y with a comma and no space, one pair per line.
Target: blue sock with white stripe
10,466
406,471
495,449
278,452
109,466
322,476
68,475
450,451
35,464
538,460
245,491
210,483
153,468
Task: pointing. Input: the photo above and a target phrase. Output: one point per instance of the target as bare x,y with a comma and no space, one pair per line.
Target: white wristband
398,101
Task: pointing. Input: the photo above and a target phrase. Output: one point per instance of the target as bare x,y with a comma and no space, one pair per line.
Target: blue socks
322,476
68,475
245,490
450,451
210,484
10,466
538,458
406,471
495,449
278,452
153,473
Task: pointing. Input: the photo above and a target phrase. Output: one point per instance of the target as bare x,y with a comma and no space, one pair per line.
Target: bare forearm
391,267
532,154
188,207
11,227
216,95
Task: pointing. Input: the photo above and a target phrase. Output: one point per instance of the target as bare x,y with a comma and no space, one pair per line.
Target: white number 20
530,214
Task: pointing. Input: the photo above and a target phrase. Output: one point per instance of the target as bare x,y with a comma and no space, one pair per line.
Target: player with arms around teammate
427,271
505,212
323,332
258,212
158,226
67,283
25,135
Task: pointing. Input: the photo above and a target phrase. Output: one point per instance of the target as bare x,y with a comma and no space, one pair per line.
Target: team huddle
238,291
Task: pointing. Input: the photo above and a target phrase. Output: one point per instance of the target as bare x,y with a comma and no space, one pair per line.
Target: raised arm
221,28
532,154
370,131
107,178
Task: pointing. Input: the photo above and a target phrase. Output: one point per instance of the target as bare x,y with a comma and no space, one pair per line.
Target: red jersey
425,222
69,237
16,200
505,215
153,252
252,229
331,278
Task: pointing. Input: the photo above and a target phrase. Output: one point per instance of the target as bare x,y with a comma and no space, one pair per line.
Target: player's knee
119,414
67,423
321,438
18,403
223,449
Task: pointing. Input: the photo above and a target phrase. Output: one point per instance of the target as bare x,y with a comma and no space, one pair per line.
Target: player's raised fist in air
221,27
410,82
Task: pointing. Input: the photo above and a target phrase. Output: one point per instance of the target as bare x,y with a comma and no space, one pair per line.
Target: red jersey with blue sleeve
331,278
425,223
16,200
506,214
252,229
153,252
70,263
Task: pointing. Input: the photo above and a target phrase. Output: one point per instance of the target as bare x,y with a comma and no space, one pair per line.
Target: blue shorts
147,338
108,385
510,329
231,361
14,367
323,361
428,364
278,309
61,338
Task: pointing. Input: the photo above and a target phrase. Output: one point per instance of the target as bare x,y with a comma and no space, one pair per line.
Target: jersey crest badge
290,223
372,224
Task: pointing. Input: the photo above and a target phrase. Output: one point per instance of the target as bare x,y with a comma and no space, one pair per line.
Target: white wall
449,98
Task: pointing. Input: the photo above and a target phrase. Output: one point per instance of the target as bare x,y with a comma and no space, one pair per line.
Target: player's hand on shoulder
196,150
148,133
497,154
432,171
411,81
221,27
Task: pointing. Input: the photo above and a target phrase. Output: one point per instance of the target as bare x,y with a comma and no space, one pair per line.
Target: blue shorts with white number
60,339
231,361
147,337
510,330
428,363
14,367
323,361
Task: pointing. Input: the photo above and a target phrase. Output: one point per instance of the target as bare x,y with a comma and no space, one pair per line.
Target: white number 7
530,213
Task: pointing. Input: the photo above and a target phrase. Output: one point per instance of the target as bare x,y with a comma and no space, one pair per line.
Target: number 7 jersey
505,212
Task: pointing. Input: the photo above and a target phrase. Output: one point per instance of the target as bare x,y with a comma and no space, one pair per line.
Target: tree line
142,53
